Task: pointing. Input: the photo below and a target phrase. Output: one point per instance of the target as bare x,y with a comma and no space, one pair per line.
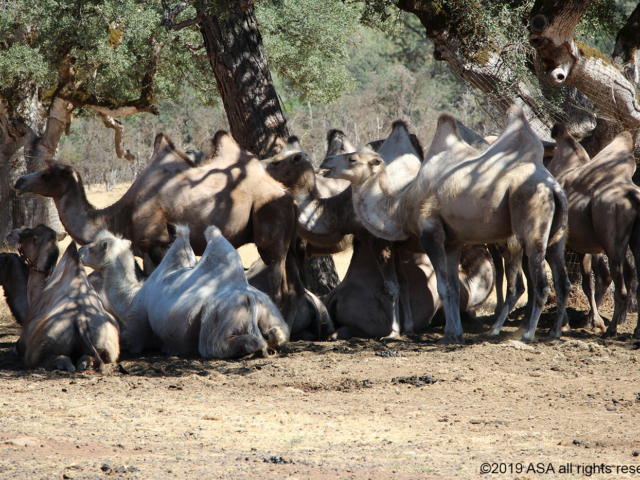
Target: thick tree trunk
235,51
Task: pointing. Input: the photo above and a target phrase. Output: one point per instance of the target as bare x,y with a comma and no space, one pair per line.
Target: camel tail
81,325
559,223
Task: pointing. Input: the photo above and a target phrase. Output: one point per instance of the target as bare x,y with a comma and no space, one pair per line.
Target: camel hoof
636,334
264,353
409,332
451,340
527,338
553,335
565,328
391,337
493,333
599,329
610,334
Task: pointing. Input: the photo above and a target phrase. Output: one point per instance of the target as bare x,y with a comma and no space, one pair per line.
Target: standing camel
328,224
229,188
502,192
604,205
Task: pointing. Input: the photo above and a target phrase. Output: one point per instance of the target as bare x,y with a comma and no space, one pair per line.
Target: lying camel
603,214
190,306
312,319
229,189
358,310
66,319
458,199
14,275
329,224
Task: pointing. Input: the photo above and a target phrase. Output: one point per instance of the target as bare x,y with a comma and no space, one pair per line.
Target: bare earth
350,409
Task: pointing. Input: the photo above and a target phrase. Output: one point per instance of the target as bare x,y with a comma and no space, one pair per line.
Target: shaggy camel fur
457,199
603,211
190,306
66,318
312,321
358,310
14,275
328,224
229,189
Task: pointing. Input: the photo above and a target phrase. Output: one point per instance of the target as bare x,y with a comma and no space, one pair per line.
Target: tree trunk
235,51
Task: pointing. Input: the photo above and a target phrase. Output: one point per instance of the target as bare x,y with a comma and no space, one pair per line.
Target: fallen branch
116,125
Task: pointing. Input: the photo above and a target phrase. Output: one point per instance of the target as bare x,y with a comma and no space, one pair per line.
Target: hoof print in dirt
580,443
416,381
390,353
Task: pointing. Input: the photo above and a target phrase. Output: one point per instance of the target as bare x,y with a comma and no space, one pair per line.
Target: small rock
636,453
121,469
105,467
122,370
476,422
22,442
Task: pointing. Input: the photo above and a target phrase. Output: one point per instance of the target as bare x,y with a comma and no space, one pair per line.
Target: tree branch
627,49
169,14
116,125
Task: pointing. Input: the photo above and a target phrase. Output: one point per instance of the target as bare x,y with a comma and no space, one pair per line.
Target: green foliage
107,42
306,44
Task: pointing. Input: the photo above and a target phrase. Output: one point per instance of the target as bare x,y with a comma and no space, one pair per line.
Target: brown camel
603,212
229,189
329,224
14,275
66,319
358,310
458,200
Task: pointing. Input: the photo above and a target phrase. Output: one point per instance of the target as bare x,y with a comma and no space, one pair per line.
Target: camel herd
427,231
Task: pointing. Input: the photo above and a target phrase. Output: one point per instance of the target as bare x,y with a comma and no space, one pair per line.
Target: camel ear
297,158
105,245
127,243
61,236
375,161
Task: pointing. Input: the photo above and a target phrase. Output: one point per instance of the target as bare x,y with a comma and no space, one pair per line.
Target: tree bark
235,51
566,61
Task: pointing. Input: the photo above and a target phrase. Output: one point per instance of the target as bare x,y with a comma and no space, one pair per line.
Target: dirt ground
349,409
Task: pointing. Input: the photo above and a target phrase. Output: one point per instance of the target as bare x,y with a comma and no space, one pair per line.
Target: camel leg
634,244
555,257
384,254
593,320
432,242
617,266
58,362
347,333
515,288
603,277
540,287
403,283
137,335
530,290
498,268
629,277
84,363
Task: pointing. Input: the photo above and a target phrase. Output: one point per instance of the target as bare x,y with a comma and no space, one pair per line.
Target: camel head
104,251
355,167
39,243
290,165
51,182
569,153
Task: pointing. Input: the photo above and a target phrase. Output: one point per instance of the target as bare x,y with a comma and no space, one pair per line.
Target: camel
359,311
14,275
312,319
66,319
229,189
204,307
459,199
329,224
603,211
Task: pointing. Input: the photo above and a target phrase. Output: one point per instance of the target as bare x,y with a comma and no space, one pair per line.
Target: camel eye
276,163
352,160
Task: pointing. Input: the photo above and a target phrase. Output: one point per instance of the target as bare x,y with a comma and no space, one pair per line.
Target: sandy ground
354,409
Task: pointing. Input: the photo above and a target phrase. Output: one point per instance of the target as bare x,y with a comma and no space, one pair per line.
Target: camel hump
447,137
338,143
293,144
623,142
400,123
559,131
182,231
163,141
212,232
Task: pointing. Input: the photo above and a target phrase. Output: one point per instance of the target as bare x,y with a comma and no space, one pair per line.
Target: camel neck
15,292
378,209
121,284
81,219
